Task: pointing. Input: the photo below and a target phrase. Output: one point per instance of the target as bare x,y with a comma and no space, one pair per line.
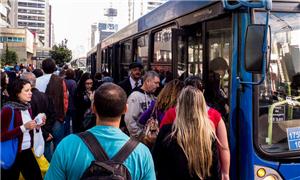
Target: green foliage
9,57
60,53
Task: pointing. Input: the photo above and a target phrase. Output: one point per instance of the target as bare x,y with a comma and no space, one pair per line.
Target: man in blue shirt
72,157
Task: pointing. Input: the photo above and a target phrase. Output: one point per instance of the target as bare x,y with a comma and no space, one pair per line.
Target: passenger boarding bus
259,42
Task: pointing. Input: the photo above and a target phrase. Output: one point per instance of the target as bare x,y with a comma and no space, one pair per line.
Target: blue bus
260,42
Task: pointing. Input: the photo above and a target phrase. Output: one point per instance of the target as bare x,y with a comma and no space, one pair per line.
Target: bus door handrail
270,115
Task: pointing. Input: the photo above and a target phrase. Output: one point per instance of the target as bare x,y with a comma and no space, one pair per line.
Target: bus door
188,51
179,55
194,50
161,58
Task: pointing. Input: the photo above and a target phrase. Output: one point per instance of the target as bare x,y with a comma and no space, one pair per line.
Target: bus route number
293,135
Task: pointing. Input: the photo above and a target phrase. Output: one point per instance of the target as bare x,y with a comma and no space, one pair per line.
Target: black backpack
102,167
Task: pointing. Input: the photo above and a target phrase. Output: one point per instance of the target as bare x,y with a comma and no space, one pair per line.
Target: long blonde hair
194,132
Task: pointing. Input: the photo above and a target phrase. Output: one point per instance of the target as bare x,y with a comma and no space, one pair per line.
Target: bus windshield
279,95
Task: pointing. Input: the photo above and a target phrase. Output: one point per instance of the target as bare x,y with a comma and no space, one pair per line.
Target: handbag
9,148
89,120
38,142
151,130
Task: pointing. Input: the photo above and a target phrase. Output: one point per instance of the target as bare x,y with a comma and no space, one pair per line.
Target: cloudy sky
72,20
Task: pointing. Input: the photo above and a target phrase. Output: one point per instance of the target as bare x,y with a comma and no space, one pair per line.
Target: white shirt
42,82
26,143
132,82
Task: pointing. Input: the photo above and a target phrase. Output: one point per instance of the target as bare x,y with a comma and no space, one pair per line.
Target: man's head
219,65
29,76
151,81
48,66
135,70
110,102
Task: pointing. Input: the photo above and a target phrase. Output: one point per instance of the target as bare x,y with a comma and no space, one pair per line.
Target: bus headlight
265,173
261,172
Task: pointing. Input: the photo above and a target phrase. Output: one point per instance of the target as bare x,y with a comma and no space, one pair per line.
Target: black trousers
26,163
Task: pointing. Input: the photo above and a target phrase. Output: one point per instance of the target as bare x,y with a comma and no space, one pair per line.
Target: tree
60,53
9,57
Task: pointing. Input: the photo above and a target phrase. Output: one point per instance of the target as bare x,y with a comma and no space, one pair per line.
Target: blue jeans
70,116
58,132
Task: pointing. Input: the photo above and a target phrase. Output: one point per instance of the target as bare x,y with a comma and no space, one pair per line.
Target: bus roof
164,13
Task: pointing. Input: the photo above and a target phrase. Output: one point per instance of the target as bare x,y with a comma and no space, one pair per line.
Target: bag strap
11,123
125,151
94,146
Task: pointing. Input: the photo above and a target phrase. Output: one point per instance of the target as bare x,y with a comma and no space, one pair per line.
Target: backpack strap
94,146
125,151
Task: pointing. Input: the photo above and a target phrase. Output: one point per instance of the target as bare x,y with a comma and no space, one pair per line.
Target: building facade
34,15
137,8
20,40
5,8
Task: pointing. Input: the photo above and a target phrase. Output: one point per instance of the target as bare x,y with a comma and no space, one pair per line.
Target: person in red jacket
24,124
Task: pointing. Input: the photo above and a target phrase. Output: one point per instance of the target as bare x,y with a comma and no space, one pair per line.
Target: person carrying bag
9,148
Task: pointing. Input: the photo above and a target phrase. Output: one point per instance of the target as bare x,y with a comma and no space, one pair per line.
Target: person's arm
131,117
223,149
147,114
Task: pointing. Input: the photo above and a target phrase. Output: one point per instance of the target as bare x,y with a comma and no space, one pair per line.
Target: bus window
219,53
162,46
279,95
162,54
141,50
195,51
126,52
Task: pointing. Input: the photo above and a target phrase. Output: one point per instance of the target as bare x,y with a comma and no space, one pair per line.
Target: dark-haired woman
83,100
3,88
23,130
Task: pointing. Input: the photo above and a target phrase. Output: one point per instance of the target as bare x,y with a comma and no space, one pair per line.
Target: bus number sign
293,135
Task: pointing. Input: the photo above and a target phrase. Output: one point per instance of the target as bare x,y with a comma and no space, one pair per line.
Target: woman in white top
24,124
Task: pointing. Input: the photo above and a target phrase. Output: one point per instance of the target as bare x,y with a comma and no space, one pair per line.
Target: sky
72,20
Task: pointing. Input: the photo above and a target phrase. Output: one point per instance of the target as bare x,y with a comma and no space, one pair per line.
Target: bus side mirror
254,56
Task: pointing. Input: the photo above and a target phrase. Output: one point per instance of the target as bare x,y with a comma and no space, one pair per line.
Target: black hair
110,100
81,84
37,73
17,87
194,81
48,66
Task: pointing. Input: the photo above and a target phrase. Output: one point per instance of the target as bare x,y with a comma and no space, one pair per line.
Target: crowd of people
178,134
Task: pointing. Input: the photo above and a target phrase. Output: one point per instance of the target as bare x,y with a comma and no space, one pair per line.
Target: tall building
5,7
137,8
34,15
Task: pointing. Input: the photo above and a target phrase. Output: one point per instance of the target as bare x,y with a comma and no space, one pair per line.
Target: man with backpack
115,155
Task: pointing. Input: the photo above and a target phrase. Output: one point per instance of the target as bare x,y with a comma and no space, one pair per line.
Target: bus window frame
282,156
152,32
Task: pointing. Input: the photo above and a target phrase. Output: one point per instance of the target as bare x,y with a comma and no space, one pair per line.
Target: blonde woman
187,149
